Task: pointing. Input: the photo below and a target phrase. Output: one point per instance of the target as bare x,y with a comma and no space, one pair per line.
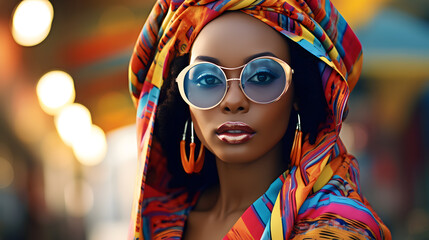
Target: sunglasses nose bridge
232,73
230,82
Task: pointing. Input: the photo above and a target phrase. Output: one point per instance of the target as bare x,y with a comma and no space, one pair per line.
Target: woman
244,75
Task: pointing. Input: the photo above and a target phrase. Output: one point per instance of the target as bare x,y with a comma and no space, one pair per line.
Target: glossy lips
235,132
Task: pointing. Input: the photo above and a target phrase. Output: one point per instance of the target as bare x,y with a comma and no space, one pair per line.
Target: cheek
276,120
277,114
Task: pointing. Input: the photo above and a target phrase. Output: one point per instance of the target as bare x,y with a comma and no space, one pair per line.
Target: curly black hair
173,112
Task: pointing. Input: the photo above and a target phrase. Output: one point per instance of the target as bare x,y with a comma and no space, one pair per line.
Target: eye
262,77
208,80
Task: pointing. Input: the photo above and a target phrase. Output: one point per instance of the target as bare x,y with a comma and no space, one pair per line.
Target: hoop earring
295,153
190,166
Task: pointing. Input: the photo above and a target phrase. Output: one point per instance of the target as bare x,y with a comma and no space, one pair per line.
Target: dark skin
245,170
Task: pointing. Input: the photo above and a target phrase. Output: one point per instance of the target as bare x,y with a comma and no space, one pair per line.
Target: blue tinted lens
263,80
204,85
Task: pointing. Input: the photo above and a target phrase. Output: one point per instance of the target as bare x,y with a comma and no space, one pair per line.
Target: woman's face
228,41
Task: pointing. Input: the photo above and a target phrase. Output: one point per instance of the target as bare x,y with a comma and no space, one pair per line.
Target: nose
235,101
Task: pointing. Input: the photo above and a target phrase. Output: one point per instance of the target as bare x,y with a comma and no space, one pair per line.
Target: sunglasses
203,85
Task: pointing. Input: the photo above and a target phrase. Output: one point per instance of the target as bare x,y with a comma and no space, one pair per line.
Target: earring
295,153
189,165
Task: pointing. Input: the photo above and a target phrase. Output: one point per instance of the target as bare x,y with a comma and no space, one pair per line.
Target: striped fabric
321,197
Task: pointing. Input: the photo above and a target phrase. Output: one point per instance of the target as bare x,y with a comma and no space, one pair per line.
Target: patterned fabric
319,198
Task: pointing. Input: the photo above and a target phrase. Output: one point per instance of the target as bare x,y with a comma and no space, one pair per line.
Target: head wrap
315,25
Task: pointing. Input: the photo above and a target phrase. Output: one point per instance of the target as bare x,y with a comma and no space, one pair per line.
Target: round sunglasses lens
263,80
204,85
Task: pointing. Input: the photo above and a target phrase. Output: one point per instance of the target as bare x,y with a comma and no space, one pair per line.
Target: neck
240,184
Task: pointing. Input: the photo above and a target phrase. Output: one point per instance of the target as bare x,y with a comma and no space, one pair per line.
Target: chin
237,154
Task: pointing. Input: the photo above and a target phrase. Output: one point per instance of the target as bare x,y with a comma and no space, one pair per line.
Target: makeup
235,132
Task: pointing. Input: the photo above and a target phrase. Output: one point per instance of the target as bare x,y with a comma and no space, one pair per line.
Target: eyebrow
246,60
208,59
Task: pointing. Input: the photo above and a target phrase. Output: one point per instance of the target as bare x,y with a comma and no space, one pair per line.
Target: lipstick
235,132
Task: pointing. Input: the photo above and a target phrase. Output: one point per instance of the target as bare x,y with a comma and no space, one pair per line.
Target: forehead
233,37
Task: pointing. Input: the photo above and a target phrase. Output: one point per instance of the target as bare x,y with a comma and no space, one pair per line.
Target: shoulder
337,212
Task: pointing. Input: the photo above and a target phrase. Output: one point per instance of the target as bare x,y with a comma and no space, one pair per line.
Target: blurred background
67,135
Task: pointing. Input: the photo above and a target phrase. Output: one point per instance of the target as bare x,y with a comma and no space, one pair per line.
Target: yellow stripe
307,35
167,20
276,221
160,56
241,4
132,77
157,79
324,176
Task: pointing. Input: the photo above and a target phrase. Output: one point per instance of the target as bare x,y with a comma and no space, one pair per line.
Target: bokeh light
6,173
55,90
73,122
32,22
79,198
348,137
91,149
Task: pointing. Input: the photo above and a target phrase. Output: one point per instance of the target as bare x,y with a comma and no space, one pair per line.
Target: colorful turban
320,197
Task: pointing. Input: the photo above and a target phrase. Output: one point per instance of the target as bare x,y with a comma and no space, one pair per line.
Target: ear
295,106
295,99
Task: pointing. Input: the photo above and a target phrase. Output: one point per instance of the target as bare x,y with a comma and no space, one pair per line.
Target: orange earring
295,153
189,165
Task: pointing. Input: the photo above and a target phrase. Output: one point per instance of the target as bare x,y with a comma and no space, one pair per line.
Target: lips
235,132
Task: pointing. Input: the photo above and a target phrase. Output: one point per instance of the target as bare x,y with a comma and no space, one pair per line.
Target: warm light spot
73,122
108,230
361,136
348,137
29,123
6,173
55,90
122,143
11,57
79,198
32,22
359,13
91,149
